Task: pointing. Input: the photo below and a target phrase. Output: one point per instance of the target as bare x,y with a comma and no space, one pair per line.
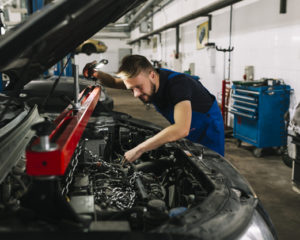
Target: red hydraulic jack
49,156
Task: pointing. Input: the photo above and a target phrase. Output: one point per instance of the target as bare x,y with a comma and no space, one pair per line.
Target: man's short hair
132,65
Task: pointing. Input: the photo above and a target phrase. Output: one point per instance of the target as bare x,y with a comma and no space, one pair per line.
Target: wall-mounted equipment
249,73
202,35
146,26
211,49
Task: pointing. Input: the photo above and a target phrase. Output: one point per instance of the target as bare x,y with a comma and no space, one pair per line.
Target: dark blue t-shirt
207,123
180,88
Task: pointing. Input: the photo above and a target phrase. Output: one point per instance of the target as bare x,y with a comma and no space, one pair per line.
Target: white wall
261,37
111,54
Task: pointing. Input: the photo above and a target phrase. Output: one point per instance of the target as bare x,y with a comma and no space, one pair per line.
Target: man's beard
150,97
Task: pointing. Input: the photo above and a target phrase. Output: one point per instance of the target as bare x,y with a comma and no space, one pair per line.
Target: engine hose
141,188
139,184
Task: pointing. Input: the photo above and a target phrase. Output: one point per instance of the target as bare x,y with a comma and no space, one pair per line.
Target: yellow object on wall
202,35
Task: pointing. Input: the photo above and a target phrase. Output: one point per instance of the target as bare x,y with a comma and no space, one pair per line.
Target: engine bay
103,193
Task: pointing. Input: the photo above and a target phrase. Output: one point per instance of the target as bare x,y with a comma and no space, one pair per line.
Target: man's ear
152,76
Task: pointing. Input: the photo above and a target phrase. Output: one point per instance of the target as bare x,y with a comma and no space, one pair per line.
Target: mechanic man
192,111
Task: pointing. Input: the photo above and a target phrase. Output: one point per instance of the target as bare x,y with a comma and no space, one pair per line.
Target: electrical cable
54,85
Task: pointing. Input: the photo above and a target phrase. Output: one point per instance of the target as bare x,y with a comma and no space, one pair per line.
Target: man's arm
104,78
180,129
109,81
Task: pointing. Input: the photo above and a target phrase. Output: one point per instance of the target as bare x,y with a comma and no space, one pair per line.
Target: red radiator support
69,128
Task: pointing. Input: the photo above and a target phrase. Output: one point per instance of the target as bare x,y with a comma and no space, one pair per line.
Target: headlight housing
257,229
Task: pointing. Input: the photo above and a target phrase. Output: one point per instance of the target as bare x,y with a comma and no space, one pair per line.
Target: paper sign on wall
202,35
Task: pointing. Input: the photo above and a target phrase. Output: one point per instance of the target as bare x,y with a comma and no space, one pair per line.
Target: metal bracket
283,4
209,22
177,42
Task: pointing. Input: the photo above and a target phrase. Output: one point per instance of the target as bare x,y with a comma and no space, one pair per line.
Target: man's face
142,86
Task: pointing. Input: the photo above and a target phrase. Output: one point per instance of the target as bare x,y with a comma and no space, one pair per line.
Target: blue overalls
206,128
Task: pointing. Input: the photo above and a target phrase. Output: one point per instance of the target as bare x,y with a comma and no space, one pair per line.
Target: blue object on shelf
37,5
259,114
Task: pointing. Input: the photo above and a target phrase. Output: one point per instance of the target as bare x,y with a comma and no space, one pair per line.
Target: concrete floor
269,177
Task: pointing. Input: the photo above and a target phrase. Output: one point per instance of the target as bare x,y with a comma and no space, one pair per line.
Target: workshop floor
269,177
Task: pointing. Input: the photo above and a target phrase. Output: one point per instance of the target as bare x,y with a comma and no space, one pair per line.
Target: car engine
106,194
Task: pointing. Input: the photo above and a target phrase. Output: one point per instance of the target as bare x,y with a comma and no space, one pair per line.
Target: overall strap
173,74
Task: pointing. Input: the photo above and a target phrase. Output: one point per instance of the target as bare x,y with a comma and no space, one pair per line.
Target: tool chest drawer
245,103
259,114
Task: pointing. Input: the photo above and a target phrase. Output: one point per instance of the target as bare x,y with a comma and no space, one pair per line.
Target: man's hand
88,70
105,79
180,129
133,154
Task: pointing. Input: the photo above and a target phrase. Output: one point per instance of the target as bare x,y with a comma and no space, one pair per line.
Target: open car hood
50,34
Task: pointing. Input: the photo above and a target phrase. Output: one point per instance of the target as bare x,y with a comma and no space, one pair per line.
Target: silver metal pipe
142,11
198,13
76,85
156,10
45,143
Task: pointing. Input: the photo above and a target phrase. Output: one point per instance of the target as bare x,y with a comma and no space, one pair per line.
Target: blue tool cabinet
259,114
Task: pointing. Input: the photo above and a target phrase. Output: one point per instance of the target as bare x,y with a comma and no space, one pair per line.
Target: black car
51,183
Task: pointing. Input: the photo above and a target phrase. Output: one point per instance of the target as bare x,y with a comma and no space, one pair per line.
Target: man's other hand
88,70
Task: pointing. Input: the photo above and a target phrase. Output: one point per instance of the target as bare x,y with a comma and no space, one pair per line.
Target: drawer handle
244,97
247,91
243,102
244,108
243,114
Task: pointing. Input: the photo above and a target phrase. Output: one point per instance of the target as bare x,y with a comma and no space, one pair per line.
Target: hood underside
50,34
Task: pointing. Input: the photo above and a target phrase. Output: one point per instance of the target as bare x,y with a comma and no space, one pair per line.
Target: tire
88,49
279,150
257,152
238,143
286,158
